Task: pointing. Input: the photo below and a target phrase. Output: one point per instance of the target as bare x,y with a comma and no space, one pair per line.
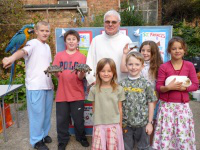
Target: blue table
3,92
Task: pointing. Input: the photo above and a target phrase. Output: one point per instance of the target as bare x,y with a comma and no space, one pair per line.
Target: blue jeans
39,106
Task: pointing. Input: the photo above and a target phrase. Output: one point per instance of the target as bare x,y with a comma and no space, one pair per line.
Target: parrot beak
30,31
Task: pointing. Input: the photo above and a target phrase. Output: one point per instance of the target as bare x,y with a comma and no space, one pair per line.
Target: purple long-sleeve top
167,70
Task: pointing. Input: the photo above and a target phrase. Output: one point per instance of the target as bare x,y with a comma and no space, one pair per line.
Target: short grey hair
112,13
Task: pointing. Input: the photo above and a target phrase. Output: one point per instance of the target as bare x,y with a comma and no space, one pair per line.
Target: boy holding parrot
39,87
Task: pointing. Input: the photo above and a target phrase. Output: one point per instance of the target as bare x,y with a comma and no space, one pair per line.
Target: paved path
18,137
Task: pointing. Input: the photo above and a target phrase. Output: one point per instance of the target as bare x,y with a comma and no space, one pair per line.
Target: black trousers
63,112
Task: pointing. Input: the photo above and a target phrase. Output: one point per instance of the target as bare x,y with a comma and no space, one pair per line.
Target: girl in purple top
175,125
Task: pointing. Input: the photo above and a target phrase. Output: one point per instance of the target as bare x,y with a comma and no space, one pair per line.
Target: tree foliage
12,18
191,35
129,17
175,11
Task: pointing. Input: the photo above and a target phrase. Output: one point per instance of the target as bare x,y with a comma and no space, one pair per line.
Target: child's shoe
62,146
83,142
41,146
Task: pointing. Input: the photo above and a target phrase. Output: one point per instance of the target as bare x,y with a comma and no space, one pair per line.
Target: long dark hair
155,60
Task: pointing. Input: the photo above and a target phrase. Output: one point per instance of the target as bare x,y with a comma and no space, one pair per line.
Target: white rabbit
186,81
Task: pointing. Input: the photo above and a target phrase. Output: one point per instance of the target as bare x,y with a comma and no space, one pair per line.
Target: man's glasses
111,22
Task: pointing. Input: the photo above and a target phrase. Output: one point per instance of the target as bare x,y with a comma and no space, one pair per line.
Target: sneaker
62,146
83,142
47,139
41,146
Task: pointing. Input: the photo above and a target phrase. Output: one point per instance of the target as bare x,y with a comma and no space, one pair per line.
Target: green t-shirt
106,104
139,93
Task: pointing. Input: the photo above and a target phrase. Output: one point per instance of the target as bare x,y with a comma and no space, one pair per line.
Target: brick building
69,13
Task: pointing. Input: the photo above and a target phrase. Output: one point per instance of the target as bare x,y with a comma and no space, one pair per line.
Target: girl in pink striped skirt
175,125
107,97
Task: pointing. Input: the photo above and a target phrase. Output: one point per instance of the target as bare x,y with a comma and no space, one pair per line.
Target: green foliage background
175,11
191,35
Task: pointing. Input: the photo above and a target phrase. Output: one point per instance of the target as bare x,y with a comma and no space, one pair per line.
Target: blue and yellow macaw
17,42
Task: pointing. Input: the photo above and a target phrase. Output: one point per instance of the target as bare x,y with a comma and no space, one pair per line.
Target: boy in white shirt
39,87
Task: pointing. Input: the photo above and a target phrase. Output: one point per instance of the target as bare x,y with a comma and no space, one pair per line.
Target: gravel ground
18,138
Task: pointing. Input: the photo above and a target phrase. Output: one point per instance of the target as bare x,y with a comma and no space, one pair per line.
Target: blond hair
135,54
42,23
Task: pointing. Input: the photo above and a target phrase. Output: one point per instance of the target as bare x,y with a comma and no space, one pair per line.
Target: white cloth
145,73
105,46
37,60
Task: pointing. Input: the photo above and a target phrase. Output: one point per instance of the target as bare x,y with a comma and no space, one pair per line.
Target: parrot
17,42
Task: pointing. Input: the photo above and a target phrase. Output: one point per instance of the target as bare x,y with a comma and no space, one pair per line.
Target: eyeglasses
111,22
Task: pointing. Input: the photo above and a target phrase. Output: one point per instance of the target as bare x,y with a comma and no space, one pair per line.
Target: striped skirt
107,137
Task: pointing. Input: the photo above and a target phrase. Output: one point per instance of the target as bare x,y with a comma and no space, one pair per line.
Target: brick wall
37,2
56,19
64,18
101,6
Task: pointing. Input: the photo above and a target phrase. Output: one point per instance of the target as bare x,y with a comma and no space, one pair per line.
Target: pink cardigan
167,70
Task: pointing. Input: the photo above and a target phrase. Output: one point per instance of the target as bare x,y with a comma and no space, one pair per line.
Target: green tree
129,17
191,35
175,11
12,18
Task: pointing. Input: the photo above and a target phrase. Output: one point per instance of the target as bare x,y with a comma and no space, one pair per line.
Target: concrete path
18,137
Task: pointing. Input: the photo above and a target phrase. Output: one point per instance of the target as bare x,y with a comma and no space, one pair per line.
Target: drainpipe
119,4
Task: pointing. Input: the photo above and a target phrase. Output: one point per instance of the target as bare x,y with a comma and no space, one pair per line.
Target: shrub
176,11
191,35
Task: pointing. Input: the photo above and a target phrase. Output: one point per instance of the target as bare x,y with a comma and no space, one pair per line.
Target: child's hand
56,74
126,49
173,85
81,75
7,62
149,128
182,88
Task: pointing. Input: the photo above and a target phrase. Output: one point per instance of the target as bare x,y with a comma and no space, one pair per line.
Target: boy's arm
149,127
7,61
120,112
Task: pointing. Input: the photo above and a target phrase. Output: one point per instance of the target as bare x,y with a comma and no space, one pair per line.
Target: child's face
134,67
71,42
146,52
106,74
43,33
177,52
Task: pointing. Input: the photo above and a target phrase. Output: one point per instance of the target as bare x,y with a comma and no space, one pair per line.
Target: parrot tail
11,76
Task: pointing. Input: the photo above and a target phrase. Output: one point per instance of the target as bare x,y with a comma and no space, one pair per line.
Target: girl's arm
120,112
123,61
173,85
93,107
193,77
160,85
149,127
